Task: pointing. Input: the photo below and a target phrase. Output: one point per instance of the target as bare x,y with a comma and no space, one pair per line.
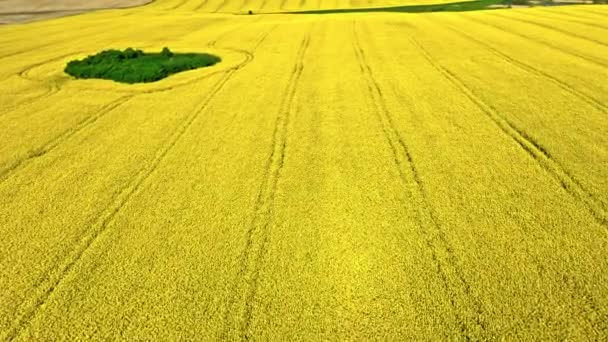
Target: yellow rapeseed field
340,176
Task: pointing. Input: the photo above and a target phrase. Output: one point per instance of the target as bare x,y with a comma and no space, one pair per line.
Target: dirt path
17,11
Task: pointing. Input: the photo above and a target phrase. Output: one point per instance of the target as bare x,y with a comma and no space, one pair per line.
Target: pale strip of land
16,11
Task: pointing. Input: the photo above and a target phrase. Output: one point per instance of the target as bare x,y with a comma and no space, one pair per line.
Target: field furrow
330,260
45,287
565,29
96,224
579,26
37,149
435,240
238,317
584,77
588,52
433,168
582,176
529,144
97,247
590,97
538,153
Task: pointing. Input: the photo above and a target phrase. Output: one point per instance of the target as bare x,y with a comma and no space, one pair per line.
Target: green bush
136,66
166,52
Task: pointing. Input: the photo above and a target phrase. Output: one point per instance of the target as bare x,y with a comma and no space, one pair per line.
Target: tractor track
200,5
567,17
53,278
221,5
176,6
599,14
535,150
532,147
88,33
23,73
552,28
588,59
535,71
50,145
582,295
12,54
544,160
58,30
233,117
52,86
577,290
276,162
245,53
597,104
56,141
404,161
52,89
258,232
577,14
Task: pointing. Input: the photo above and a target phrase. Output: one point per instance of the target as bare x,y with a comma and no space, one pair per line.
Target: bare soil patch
16,11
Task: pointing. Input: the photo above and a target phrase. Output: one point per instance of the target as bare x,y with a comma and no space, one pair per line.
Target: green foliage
166,52
136,66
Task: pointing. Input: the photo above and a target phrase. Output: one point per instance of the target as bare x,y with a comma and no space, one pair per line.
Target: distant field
354,176
15,11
